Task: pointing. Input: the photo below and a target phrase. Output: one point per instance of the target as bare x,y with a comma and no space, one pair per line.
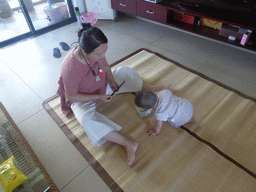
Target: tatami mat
174,160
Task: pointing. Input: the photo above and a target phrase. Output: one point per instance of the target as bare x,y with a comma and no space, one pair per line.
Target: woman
86,78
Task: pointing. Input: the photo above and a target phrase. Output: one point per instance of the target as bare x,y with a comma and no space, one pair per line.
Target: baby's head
146,99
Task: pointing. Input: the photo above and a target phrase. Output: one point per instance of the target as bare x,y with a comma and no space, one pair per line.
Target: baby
166,106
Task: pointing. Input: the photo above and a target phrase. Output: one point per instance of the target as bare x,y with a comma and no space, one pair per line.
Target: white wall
102,8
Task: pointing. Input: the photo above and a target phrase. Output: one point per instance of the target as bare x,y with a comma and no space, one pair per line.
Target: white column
81,5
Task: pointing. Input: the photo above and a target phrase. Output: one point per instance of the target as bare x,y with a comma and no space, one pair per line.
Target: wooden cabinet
165,13
151,11
127,6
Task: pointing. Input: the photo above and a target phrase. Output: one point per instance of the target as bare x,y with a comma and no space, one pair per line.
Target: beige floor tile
243,86
43,78
89,181
185,61
121,45
5,72
28,53
58,155
139,29
68,34
20,101
188,45
240,64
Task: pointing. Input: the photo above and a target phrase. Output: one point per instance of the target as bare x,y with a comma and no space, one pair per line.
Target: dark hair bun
85,27
90,38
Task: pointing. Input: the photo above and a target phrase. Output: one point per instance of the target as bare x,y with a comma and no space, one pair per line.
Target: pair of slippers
56,50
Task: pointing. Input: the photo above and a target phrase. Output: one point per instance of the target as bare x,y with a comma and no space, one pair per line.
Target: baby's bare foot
131,150
161,88
151,132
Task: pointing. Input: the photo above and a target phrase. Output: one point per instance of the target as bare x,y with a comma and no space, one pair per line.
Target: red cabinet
164,12
151,11
127,6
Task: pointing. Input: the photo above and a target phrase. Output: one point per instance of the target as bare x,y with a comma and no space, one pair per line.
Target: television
223,8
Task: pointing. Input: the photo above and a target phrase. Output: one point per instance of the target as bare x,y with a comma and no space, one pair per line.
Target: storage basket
58,12
89,17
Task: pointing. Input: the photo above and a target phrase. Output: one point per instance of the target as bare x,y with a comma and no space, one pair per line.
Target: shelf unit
163,12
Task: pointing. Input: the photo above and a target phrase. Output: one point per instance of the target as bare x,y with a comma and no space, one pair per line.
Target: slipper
64,46
56,52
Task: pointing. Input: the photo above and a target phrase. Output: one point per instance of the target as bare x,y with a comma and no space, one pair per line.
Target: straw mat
216,152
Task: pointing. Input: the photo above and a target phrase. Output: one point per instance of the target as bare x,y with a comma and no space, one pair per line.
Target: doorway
20,19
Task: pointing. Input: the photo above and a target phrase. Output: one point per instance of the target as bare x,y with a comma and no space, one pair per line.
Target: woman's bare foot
130,145
131,149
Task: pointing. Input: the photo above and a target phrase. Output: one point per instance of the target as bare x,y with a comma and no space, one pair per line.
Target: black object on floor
64,46
56,52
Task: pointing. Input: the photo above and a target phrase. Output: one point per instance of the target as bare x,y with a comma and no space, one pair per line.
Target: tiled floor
29,75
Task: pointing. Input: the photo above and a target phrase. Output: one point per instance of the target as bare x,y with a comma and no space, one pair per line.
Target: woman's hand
113,85
110,79
105,98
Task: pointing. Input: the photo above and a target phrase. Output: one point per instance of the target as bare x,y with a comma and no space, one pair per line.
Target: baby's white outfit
175,110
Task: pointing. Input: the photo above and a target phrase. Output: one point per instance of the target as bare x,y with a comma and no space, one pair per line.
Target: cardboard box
184,17
211,23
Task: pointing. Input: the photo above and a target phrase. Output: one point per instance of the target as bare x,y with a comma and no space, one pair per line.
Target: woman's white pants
95,124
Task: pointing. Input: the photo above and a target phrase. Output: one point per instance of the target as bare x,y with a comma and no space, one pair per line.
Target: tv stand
198,9
165,13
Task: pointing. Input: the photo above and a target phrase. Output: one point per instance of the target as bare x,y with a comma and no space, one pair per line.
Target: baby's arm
157,129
